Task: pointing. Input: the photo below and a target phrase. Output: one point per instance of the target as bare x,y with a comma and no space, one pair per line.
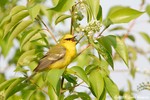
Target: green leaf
61,18
14,11
131,37
51,92
19,28
81,73
14,21
6,84
70,78
105,53
28,92
34,11
89,68
27,37
145,36
103,41
117,28
125,17
111,88
55,2
99,15
26,57
113,10
14,87
63,5
84,96
2,77
96,82
17,9
53,78
107,22
71,97
94,7
103,96
119,46
148,9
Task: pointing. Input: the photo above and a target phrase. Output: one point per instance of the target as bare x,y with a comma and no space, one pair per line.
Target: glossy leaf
84,96
105,53
14,11
14,21
111,88
117,28
19,28
128,15
17,9
13,87
103,96
51,93
26,57
53,78
71,97
55,2
6,20
6,83
107,22
146,37
99,15
27,37
148,9
34,11
70,78
103,41
96,82
89,68
28,92
119,46
61,18
94,7
63,5
81,73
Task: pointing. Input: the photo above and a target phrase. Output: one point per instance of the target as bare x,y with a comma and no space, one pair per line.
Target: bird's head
68,39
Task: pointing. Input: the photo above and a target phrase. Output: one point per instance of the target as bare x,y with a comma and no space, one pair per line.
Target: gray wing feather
55,53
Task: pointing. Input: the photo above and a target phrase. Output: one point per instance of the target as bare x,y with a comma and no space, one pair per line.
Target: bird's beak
74,39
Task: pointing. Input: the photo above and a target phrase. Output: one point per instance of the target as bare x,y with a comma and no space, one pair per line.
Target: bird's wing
55,53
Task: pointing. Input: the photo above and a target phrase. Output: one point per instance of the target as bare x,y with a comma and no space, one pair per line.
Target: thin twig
64,90
47,29
83,50
102,32
80,39
72,20
39,87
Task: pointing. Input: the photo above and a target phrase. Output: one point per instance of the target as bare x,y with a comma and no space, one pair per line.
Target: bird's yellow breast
65,61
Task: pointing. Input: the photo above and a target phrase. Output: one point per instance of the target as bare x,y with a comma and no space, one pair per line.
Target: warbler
58,56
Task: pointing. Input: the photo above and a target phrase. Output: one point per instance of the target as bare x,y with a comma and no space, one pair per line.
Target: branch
72,20
47,28
64,90
83,50
102,31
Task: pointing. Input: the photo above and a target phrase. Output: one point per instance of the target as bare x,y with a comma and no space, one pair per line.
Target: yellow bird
59,56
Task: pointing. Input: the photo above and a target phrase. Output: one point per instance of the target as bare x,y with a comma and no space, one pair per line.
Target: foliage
30,25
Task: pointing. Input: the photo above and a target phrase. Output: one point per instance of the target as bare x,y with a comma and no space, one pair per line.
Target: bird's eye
68,39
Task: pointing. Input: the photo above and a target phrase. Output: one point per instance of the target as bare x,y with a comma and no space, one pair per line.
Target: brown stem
47,29
102,32
83,50
72,21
